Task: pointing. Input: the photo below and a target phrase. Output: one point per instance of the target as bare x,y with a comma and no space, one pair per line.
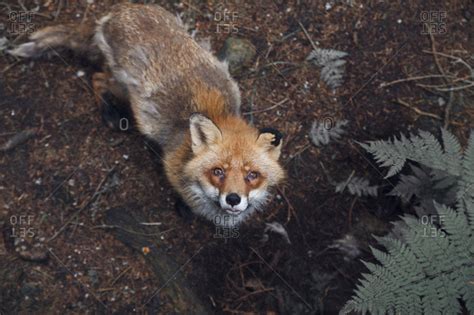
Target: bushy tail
59,37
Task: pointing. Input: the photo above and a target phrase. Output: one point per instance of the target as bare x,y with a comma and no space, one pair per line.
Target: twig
421,77
447,110
349,215
417,110
120,275
457,59
268,108
58,11
96,193
307,35
22,6
435,55
19,138
254,293
188,4
291,209
347,181
449,89
85,13
299,152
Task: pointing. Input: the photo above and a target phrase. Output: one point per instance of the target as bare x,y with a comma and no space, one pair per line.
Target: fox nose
232,199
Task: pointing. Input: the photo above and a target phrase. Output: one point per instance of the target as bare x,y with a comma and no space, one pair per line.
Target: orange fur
209,101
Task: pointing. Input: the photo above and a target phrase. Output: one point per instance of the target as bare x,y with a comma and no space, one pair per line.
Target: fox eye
252,176
218,172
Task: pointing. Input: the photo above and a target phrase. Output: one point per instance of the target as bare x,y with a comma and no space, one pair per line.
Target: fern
357,186
331,63
3,43
321,134
430,267
427,186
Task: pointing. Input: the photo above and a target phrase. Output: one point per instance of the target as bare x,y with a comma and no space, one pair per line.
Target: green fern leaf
452,152
429,268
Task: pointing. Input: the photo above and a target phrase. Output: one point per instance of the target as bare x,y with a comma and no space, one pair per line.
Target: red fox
183,98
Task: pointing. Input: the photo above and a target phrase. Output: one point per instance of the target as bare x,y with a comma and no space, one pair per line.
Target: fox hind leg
112,101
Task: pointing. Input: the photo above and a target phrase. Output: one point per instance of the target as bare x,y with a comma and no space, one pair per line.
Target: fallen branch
417,110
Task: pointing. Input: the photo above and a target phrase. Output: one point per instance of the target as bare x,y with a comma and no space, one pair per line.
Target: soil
60,256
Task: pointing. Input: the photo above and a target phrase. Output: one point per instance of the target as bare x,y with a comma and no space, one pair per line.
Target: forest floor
58,254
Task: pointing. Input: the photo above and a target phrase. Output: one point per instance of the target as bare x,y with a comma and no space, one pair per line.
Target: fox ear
271,139
203,132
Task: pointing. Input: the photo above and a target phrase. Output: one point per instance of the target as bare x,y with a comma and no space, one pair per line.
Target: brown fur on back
167,74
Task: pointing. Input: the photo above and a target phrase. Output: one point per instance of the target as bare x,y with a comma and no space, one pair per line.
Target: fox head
233,164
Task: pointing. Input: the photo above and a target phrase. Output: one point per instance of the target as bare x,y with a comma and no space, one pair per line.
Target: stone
238,52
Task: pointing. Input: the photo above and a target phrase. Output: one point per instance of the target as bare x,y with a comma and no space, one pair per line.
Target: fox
181,97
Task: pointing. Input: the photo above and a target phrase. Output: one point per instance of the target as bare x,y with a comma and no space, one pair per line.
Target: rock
238,52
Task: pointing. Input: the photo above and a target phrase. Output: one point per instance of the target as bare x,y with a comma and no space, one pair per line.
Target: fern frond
430,267
332,64
466,190
452,152
424,149
391,154
357,186
321,134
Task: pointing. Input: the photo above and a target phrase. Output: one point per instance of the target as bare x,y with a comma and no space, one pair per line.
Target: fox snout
233,203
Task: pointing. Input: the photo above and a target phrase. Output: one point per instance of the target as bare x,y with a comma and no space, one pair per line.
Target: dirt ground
59,256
